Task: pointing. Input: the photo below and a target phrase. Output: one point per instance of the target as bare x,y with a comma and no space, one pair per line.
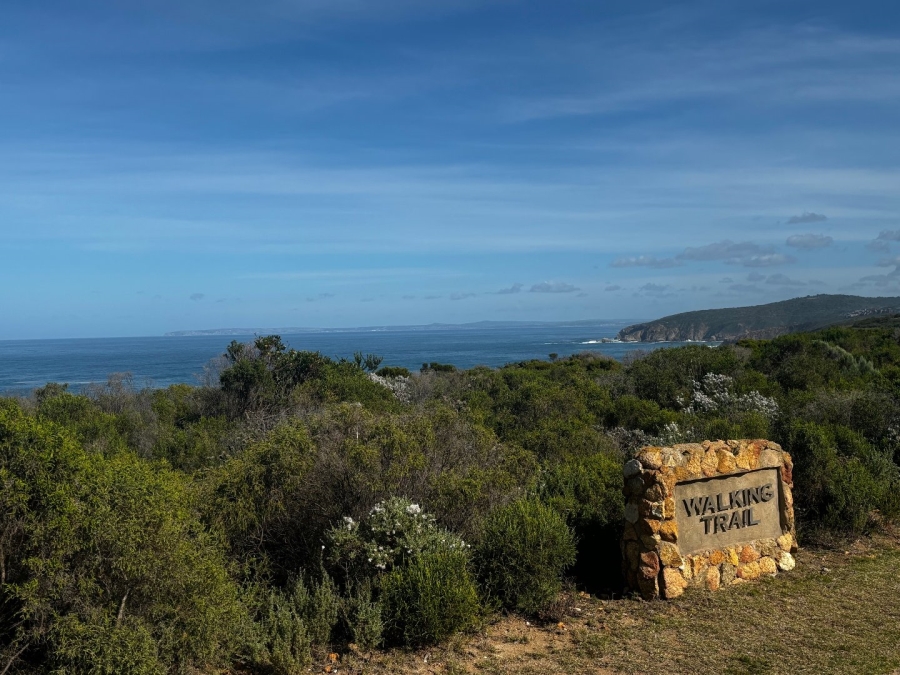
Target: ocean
162,361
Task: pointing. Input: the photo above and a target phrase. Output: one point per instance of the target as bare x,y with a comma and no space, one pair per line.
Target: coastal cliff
760,321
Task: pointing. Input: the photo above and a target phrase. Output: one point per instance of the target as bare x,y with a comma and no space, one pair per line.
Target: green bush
87,538
283,644
524,549
393,371
363,617
429,599
844,479
104,647
436,367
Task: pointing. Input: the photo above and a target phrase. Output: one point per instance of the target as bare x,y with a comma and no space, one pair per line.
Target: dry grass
837,612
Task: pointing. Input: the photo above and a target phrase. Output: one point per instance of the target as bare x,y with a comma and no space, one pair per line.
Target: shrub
845,480
587,492
393,371
363,617
429,599
420,569
100,646
87,538
525,547
436,367
395,532
283,644
291,622
256,498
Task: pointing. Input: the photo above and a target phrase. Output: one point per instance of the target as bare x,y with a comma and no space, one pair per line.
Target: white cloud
767,260
645,261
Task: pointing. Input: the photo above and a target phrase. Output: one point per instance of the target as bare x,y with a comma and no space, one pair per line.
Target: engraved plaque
712,513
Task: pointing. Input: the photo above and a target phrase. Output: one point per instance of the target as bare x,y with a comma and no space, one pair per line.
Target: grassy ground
837,612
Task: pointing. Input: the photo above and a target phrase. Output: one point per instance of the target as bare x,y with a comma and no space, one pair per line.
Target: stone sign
712,514
716,512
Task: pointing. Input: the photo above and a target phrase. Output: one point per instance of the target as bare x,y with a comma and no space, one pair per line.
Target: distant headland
478,325
761,321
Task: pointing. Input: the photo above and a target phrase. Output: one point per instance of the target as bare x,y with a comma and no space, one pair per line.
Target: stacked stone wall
655,563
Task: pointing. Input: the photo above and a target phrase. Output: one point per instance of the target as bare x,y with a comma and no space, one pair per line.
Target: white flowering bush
399,386
420,571
715,394
395,531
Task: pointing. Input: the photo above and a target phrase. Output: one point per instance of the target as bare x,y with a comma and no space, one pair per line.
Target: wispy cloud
656,290
882,243
515,288
724,250
645,261
807,217
197,297
766,260
614,287
809,242
553,287
462,296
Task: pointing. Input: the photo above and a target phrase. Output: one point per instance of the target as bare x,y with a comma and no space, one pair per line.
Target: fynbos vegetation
302,504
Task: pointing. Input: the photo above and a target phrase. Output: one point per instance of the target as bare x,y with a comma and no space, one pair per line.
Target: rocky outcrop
658,331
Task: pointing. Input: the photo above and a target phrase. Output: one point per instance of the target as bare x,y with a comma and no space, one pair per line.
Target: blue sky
193,164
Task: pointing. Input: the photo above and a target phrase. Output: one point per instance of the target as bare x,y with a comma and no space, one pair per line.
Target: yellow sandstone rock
650,526
668,531
726,463
732,554
749,572
749,555
669,508
673,583
767,566
650,458
669,555
785,542
713,578
710,463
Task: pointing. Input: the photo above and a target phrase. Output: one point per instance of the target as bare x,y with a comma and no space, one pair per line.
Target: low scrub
524,550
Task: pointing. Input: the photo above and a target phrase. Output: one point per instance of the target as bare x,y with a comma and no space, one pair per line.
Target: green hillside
762,321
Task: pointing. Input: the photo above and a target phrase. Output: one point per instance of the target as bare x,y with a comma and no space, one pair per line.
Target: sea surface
161,361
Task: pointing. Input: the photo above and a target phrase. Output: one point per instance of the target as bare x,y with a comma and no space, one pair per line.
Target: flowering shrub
395,532
421,572
715,393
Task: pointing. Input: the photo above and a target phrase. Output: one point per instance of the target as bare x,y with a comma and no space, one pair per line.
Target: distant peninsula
761,321
478,325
